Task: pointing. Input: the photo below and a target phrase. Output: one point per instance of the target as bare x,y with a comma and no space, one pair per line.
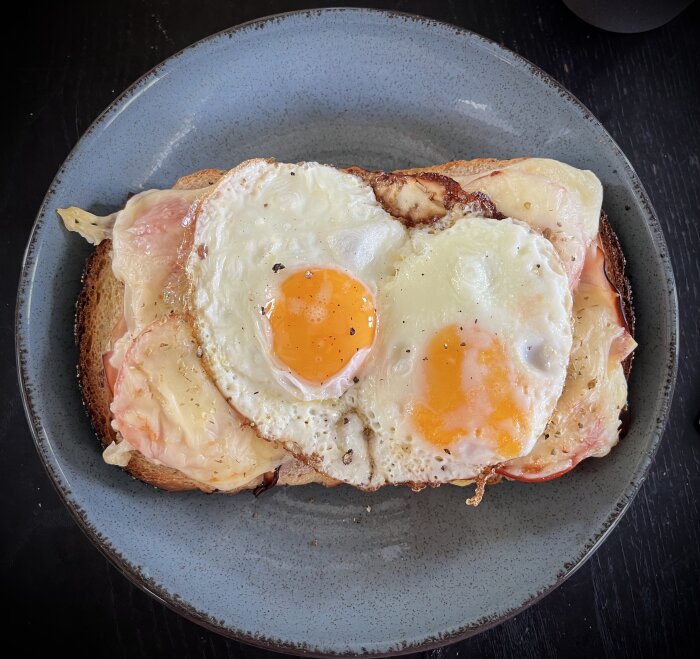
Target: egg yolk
467,388
320,320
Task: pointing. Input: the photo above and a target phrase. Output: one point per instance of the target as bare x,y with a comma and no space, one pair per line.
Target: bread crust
100,304
464,167
98,307
615,272
201,179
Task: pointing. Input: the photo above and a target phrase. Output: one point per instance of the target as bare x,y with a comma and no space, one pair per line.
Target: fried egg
472,353
285,268
376,354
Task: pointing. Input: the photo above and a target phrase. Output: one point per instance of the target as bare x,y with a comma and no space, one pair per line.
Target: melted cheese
586,421
147,237
560,200
118,453
166,406
93,228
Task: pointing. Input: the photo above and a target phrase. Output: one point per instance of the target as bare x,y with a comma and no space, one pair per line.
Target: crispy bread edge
464,167
615,272
98,310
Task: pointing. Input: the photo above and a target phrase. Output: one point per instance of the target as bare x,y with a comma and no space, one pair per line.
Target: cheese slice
94,228
560,200
167,407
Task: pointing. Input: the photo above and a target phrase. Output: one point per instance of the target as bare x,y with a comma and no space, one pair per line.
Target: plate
308,569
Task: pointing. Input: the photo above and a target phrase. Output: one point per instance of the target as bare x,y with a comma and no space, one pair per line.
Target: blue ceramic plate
308,569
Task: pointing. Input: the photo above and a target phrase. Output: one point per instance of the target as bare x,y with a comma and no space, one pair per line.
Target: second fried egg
472,356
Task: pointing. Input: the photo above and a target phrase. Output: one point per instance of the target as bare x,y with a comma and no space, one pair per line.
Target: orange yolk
468,389
320,320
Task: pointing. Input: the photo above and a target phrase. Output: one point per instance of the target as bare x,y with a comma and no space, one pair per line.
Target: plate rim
159,592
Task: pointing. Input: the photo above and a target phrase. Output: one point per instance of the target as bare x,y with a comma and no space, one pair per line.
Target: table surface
640,592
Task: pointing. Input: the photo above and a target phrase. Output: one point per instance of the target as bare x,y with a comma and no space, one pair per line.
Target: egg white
262,214
499,275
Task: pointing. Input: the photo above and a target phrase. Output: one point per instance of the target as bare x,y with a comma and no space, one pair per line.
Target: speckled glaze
311,570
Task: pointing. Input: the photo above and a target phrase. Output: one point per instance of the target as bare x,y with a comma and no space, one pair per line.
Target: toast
101,300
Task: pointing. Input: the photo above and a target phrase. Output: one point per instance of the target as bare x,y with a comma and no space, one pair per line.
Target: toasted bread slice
101,301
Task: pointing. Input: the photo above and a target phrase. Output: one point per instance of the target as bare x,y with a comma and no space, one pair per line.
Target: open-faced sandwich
296,323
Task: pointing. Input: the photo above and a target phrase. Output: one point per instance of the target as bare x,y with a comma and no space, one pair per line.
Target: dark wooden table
638,595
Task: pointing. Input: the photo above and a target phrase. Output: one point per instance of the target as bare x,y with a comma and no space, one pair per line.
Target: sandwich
295,323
